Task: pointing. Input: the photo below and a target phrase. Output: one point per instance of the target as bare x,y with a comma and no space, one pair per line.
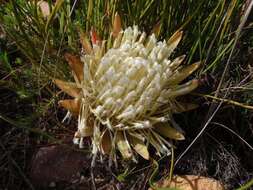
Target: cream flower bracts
125,92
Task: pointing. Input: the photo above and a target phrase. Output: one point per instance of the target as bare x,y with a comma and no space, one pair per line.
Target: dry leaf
68,87
183,89
123,146
76,65
72,105
166,130
106,143
156,29
140,147
86,131
177,62
85,43
190,182
183,74
174,41
116,25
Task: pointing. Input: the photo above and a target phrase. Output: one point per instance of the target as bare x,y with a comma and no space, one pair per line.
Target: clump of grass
208,27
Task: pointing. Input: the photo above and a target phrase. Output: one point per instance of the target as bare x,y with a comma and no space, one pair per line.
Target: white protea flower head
126,90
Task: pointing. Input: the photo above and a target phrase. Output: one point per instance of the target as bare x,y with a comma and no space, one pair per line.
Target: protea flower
126,90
